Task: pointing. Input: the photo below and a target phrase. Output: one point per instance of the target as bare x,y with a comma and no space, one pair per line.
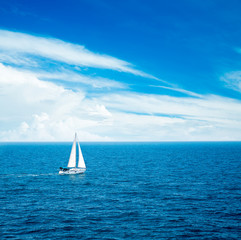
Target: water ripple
129,191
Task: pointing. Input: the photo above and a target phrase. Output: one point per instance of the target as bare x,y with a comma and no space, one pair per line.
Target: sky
146,70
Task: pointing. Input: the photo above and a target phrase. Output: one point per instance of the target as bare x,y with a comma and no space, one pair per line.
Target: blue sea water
129,191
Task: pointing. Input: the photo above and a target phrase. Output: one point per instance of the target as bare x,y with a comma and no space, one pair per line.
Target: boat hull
72,171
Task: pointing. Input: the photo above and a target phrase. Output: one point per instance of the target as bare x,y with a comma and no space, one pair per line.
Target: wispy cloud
233,80
55,49
189,93
70,76
17,59
208,107
175,118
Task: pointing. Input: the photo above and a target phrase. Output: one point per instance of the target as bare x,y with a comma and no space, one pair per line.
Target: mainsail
72,158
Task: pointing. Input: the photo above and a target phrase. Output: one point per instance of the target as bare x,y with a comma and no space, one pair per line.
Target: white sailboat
71,168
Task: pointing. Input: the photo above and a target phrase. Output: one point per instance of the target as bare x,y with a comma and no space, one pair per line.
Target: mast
72,158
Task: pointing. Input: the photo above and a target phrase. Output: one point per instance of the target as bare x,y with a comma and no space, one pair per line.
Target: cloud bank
36,106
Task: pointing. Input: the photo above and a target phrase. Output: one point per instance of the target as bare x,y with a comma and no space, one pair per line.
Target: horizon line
167,141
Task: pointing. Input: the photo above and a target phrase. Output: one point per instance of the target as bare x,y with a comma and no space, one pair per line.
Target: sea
164,190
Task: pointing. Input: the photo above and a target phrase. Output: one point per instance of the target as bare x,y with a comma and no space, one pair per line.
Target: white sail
72,161
72,158
81,163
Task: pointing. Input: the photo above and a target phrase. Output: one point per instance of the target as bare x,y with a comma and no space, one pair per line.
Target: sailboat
71,168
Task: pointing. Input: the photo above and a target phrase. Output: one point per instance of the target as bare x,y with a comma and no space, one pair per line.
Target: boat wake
27,175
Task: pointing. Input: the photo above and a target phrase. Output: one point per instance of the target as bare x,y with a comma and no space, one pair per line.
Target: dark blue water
129,191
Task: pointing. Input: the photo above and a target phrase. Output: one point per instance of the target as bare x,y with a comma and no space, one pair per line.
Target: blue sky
120,70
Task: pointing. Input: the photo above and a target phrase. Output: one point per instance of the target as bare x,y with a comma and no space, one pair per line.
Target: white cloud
43,127
70,76
233,80
35,108
174,118
189,93
122,117
58,50
206,107
17,59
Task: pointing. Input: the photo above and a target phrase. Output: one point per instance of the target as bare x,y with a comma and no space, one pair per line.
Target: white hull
72,171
